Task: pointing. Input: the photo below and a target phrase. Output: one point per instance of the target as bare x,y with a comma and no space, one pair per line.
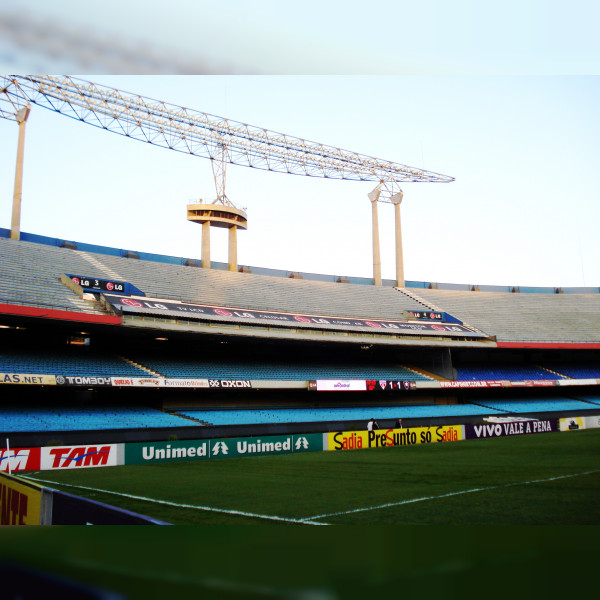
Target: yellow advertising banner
27,379
381,438
20,501
572,423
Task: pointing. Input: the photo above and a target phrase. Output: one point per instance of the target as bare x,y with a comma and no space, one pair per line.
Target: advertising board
83,380
591,422
27,379
386,385
145,452
341,385
380,438
157,382
21,502
189,310
75,457
20,459
489,430
571,423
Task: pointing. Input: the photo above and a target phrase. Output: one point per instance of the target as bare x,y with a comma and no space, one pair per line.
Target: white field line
177,505
207,582
471,491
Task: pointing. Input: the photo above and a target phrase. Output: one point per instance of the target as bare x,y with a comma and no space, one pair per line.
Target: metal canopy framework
201,134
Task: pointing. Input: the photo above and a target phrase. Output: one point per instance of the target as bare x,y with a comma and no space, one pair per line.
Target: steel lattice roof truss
201,134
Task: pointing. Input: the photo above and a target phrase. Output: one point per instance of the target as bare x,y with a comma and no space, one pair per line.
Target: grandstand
198,352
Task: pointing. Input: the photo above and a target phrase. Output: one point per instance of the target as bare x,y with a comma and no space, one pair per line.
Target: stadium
150,364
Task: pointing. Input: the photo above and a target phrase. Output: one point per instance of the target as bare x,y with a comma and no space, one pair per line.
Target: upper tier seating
514,317
30,274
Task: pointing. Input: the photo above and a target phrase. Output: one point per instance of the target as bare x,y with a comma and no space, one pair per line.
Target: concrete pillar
15,226
205,259
397,199
376,251
233,266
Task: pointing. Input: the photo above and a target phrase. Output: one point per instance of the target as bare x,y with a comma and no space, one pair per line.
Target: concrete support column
15,226
233,266
374,196
397,199
205,259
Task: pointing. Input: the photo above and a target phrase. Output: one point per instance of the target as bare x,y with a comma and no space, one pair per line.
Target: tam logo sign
20,459
73,457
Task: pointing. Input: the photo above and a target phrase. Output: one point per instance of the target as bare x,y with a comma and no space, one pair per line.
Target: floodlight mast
201,134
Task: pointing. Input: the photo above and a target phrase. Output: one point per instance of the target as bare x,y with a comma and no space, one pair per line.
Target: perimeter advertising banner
147,452
76,457
503,383
591,422
360,385
489,430
572,423
27,379
20,459
341,385
380,438
187,310
50,458
157,382
20,502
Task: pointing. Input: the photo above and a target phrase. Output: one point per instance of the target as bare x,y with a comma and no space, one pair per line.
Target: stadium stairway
415,298
140,366
425,373
98,265
188,417
553,372
428,305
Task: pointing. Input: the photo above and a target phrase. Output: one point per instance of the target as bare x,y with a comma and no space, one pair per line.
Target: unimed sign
221,448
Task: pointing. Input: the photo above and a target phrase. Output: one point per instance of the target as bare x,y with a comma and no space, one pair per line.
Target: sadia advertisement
381,438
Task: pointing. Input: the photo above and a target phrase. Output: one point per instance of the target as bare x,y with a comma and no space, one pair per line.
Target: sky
502,104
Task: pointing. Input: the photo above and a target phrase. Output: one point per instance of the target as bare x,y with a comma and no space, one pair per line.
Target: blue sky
505,102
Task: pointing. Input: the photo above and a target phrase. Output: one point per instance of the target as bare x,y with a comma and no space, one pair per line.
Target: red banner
20,459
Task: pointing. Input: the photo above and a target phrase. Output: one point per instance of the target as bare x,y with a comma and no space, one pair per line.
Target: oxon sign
489,430
229,383
76,457
146,452
382,438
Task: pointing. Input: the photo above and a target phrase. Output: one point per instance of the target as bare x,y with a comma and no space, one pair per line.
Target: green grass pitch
536,479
